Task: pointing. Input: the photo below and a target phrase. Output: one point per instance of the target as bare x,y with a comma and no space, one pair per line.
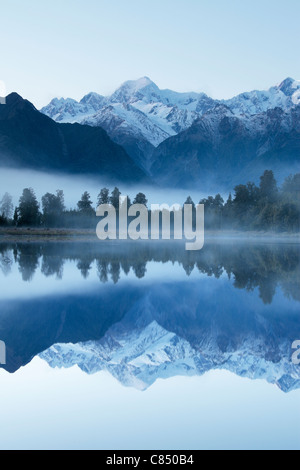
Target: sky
67,48
68,409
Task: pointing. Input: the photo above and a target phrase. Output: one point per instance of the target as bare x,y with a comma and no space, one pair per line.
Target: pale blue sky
71,47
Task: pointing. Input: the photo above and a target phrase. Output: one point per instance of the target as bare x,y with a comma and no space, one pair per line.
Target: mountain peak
139,84
62,101
92,97
15,102
289,86
129,89
14,98
133,86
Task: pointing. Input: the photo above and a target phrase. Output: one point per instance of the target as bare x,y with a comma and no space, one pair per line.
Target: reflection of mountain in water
140,332
177,330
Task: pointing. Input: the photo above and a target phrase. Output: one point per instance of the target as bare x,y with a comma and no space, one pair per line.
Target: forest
266,207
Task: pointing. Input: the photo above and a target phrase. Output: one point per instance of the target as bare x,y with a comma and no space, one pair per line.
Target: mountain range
176,330
184,139
138,357
144,110
222,150
29,139
142,133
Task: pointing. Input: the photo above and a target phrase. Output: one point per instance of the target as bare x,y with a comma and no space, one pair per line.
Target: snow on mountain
70,111
284,96
136,360
223,149
140,109
138,356
122,117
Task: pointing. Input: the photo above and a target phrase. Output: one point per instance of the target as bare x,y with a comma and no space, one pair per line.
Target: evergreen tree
190,201
229,204
85,204
140,198
114,198
103,197
291,188
53,208
28,208
228,212
61,200
16,216
268,186
218,202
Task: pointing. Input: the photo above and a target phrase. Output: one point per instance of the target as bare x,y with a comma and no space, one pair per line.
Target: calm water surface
147,346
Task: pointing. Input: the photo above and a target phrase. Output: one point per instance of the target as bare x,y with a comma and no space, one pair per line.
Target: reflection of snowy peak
138,356
136,360
141,109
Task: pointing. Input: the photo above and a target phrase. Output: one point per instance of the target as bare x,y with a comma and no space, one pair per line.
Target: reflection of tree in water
267,290
6,261
125,265
53,266
115,271
85,265
189,267
140,269
28,261
114,268
102,270
211,271
262,267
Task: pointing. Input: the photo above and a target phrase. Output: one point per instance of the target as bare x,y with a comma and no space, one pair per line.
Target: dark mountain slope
223,149
29,139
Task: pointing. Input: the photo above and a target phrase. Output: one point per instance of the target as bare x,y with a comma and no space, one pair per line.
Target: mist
14,181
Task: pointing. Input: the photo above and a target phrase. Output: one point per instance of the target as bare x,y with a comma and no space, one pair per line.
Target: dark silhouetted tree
103,197
53,208
190,201
140,198
268,186
16,216
29,209
85,205
115,198
291,188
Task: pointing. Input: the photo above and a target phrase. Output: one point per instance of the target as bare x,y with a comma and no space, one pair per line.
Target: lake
147,346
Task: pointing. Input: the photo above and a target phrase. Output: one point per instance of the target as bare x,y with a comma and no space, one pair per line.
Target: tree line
251,207
265,267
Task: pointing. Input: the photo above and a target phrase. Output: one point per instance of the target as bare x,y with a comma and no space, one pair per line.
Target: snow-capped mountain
284,96
140,106
139,116
223,149
139,355
70,111
153,114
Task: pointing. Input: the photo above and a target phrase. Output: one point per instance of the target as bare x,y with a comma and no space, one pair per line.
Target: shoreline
25,234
